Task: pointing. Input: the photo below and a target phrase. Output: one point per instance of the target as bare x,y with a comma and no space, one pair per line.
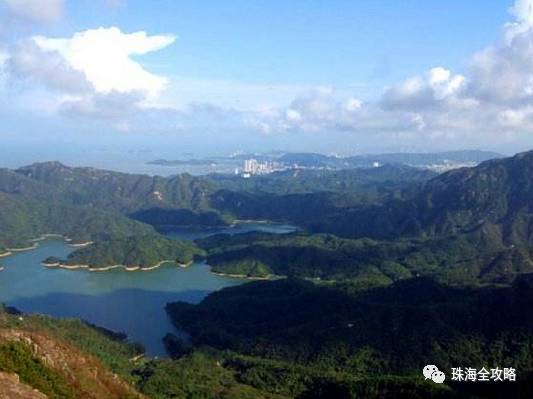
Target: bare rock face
86,374
12,388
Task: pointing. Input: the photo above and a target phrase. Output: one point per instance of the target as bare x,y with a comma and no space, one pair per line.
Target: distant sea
118,159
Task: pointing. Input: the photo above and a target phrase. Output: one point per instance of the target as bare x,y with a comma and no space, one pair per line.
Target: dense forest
91,205
137,251
342,337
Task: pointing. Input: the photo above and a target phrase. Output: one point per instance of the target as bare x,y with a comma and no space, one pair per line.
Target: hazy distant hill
316,160
367,160
425,159
387,177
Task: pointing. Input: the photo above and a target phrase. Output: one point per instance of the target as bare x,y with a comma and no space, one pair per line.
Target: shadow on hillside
178,217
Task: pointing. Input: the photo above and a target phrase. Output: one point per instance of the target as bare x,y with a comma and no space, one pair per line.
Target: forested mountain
396,269
211,200
496,193
331,341
135,251
23,219
89,205
471,224
120,191
41,358
385,178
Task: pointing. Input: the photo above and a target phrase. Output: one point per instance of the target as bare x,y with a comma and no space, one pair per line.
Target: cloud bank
493,96
40,11
93,74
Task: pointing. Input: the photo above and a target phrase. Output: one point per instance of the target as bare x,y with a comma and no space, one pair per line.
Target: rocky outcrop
89,377
12,388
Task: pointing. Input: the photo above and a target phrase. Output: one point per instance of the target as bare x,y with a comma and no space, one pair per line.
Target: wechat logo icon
433,373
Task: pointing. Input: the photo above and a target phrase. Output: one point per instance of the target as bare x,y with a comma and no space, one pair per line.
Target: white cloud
512,118
113,106
318,110
26,61
353,104
436,87
522,10
492,96
46,11
104,56
504,73
293,116
90,75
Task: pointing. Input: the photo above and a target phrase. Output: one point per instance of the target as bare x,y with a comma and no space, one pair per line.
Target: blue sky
221,76
348,44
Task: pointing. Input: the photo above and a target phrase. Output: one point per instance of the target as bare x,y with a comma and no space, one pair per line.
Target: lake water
192,233
130,302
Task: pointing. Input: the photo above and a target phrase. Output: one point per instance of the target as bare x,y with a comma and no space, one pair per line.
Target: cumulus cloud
91,74
522,10
104,56
493,95
436,87
27,61
100,80
318,110
504,74
41,11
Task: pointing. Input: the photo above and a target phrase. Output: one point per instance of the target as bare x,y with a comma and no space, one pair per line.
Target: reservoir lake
129,302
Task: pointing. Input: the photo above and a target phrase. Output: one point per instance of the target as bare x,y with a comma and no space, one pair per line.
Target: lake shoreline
245,277
37,240
12,250
113,267
132,302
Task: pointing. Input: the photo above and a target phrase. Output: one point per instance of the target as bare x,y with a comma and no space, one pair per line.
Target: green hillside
361,342
138,251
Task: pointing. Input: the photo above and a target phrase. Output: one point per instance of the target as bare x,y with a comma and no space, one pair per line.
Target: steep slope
35,362
63,204
42,357
496,194
119,191
22,219
467,225
364,336
12,388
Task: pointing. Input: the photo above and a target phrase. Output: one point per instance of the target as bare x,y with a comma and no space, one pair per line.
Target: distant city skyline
113,76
